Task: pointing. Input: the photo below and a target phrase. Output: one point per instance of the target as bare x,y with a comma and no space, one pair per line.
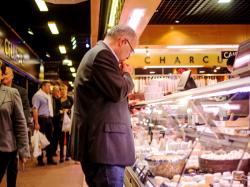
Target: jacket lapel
2,94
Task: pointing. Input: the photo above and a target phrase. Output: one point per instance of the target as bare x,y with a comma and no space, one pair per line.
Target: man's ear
121,41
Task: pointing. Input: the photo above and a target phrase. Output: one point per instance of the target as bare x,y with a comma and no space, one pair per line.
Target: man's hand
37,126
127,68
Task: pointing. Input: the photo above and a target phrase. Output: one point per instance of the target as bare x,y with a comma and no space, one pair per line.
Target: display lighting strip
62,49
53,27
202,46
41,5
135,18
233,91
198,66
224,1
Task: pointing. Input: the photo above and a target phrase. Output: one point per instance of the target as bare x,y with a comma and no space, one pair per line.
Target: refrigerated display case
198,137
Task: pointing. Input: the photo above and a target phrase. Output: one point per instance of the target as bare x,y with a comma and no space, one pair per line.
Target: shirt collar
112,51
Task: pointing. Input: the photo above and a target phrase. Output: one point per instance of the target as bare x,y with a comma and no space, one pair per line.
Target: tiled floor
67,174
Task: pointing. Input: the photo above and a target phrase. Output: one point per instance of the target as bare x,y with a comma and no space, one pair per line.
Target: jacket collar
109,48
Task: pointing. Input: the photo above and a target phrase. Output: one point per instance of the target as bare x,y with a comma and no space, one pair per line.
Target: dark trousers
102,175
8,162
56,133
46,127
61,142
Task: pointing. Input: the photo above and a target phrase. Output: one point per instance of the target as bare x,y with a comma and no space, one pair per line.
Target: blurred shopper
8,81
56,93
102,139
42,115
66,105
230,63
13,133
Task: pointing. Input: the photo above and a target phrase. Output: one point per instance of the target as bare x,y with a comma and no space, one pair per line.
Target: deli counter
197,137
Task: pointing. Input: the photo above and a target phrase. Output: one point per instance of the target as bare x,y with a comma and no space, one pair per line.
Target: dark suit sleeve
20,126
25,101
108,78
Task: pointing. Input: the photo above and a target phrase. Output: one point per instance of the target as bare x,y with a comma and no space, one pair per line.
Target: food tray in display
223,165
166,165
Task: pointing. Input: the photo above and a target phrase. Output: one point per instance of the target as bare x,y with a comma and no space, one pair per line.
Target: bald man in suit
101,136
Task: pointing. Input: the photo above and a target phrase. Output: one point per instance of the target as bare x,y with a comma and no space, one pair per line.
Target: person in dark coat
101,136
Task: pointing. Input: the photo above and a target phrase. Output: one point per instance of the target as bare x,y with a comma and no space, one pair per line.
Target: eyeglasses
132,49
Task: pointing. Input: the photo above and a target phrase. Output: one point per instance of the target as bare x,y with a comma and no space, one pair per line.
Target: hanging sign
206,60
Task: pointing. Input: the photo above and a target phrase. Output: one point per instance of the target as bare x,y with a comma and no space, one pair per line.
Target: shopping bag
38,142
43,140
66,126
37,151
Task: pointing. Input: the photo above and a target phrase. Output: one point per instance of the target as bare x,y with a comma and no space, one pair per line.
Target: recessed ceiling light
177,21
62,49
74,74
73,39
41,5
70,63
30,31
74,46
72,69
87,45
53,27
74,42
47,55
224,1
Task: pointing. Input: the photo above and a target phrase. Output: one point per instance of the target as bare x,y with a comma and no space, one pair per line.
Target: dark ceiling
202,12
71,20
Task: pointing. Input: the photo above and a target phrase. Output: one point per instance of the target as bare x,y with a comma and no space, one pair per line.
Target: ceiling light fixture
74,46
74,74
87,45
224,1
73,39
74,42
135,17
70,63
47,55
201,46
53,27
30,31
41,5
177,21
72,69
62,49
66,61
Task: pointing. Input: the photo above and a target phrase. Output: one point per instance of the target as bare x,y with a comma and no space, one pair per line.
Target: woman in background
66,105
13,133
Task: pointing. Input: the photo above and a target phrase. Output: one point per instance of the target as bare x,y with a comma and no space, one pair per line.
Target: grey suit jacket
101,126
13,128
